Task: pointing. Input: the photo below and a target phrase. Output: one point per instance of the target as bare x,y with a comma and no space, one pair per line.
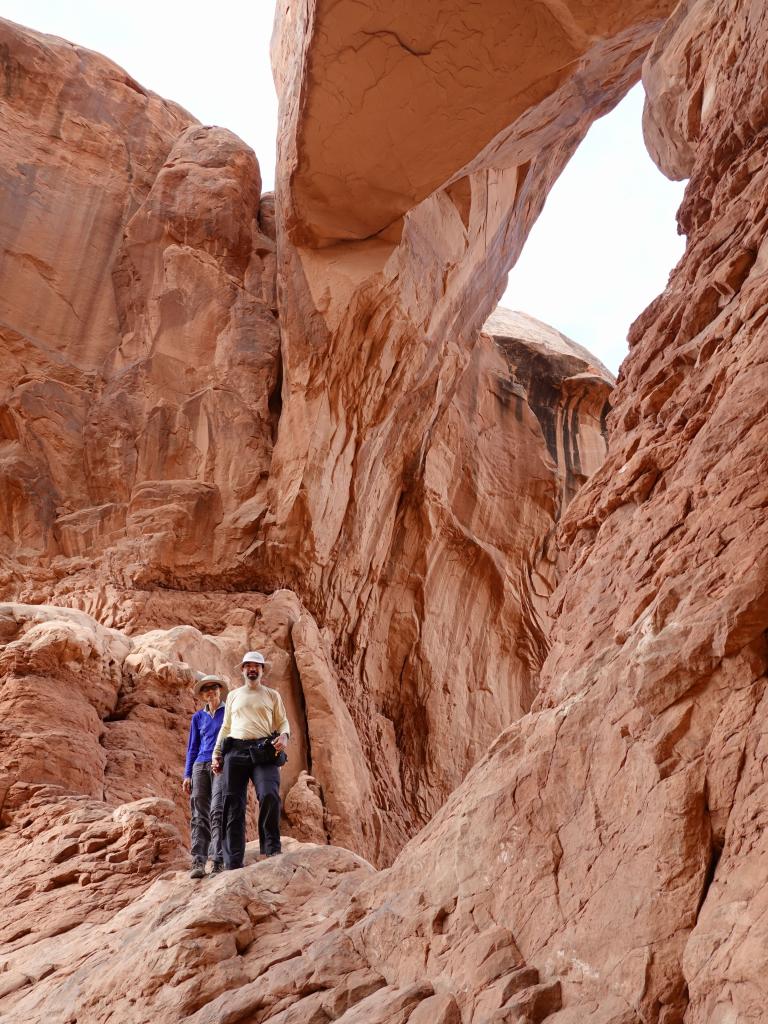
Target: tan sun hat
206,681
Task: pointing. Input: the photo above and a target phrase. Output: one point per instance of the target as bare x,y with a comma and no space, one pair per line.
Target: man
251,745
206,789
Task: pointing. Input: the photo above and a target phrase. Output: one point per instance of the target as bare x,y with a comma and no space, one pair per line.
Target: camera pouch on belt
263,752
271,753
256,751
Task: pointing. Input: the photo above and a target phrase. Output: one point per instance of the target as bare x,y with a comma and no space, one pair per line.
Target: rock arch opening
606,240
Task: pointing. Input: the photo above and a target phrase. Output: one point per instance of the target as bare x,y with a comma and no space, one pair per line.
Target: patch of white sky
606,240
211,57
600,251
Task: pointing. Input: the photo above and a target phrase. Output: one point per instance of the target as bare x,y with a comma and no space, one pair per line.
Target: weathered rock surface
567,389
127,700
137,299
136,941
604,861
137,454
616,831
409,504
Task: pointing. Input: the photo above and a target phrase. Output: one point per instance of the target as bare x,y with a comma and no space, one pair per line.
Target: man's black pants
239,768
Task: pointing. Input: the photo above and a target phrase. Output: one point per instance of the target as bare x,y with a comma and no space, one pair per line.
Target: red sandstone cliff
604,860
141,399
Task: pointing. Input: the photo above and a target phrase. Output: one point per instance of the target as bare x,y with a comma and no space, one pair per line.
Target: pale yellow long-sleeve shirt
252,715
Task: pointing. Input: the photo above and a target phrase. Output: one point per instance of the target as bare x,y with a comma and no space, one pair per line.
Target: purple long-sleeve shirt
203,730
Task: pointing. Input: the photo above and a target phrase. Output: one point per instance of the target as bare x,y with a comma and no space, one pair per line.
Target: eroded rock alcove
145,394
233,420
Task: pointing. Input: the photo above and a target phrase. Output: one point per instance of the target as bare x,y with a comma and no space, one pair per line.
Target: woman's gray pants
206,805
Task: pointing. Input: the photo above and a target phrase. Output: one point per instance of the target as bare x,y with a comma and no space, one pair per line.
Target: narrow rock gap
303,709
119,713
715,852
275,402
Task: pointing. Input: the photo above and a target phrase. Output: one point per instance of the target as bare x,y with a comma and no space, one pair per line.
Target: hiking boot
198,870
217,867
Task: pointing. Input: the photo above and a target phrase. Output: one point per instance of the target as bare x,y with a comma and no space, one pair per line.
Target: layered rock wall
137,315
383,291
616,831
143,393
604,861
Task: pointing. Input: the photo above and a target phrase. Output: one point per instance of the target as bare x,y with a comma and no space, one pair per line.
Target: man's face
252,673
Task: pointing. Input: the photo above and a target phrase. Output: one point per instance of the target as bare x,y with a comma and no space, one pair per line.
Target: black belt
261,751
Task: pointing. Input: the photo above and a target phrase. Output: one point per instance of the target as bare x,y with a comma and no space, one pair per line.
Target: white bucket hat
254,657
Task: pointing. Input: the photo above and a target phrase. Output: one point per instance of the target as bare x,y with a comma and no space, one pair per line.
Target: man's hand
216,766
187,786
281,743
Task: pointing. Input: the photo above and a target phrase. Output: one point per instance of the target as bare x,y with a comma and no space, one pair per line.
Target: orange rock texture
134,269
143,391
393,548
417,559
